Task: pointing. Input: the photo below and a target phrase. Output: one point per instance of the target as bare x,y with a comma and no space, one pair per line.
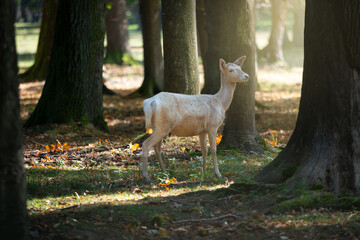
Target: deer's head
233,71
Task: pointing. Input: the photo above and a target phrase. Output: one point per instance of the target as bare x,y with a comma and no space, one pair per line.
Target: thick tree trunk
274,50
324,148
117,34
40,67
299,21
231,35
13,214
180,46
153,61
203,42
73,87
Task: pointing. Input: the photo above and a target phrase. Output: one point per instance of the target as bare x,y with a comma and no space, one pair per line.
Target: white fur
189,115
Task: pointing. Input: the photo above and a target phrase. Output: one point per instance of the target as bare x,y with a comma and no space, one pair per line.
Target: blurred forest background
83,180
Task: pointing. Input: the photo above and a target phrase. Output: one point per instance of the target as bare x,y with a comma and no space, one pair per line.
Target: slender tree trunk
231,32
324,148
13,214
180,46
203,42
239,130
215,35
298,29
40,67
153,61
274,50
118,47
73,87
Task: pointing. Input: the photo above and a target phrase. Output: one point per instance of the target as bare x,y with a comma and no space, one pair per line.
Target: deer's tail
148,110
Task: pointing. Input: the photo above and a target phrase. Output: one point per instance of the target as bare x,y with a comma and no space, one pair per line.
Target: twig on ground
69,207
207,219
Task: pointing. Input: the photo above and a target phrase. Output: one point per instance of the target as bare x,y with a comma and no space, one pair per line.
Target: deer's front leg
212,140
203,149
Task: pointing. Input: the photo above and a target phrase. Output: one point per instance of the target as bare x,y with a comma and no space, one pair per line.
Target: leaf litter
86,184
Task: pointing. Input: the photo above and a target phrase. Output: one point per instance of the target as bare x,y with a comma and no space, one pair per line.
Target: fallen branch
69,207
207,219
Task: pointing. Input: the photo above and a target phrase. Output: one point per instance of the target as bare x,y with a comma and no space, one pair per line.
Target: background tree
40,67
180,46
299,21
153,61
203,43
324,147
72,90
13,213
117,34
274,50
215,35
231,30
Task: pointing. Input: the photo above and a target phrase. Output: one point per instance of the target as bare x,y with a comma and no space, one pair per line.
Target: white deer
190,115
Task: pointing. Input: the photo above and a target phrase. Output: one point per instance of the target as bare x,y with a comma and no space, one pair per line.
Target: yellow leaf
134,147
218,138
149,130
47,148
163,232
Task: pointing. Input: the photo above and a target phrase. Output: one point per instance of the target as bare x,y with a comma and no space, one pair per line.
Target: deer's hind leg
157,148
154,139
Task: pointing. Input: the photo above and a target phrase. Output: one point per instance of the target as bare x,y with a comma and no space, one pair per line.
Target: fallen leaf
137,190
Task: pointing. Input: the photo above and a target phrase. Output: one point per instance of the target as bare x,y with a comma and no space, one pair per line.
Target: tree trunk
231,32
39,69
73,87
203,43
324,148
153,62
274,50
215,15
118,48
180,46
298,29
13,213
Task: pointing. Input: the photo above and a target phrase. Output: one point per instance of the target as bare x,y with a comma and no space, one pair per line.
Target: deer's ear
222,64
240,61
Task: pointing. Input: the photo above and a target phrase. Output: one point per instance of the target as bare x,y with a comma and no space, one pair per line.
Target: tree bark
324,148
13,213
299,21
153,61
203,43
274,50
39,69
180,46
215,36
231,32
118,47
73,87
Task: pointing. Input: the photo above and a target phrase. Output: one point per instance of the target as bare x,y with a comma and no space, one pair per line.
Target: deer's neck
226,92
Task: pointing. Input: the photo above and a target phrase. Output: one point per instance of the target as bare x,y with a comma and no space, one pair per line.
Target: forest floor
86,184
